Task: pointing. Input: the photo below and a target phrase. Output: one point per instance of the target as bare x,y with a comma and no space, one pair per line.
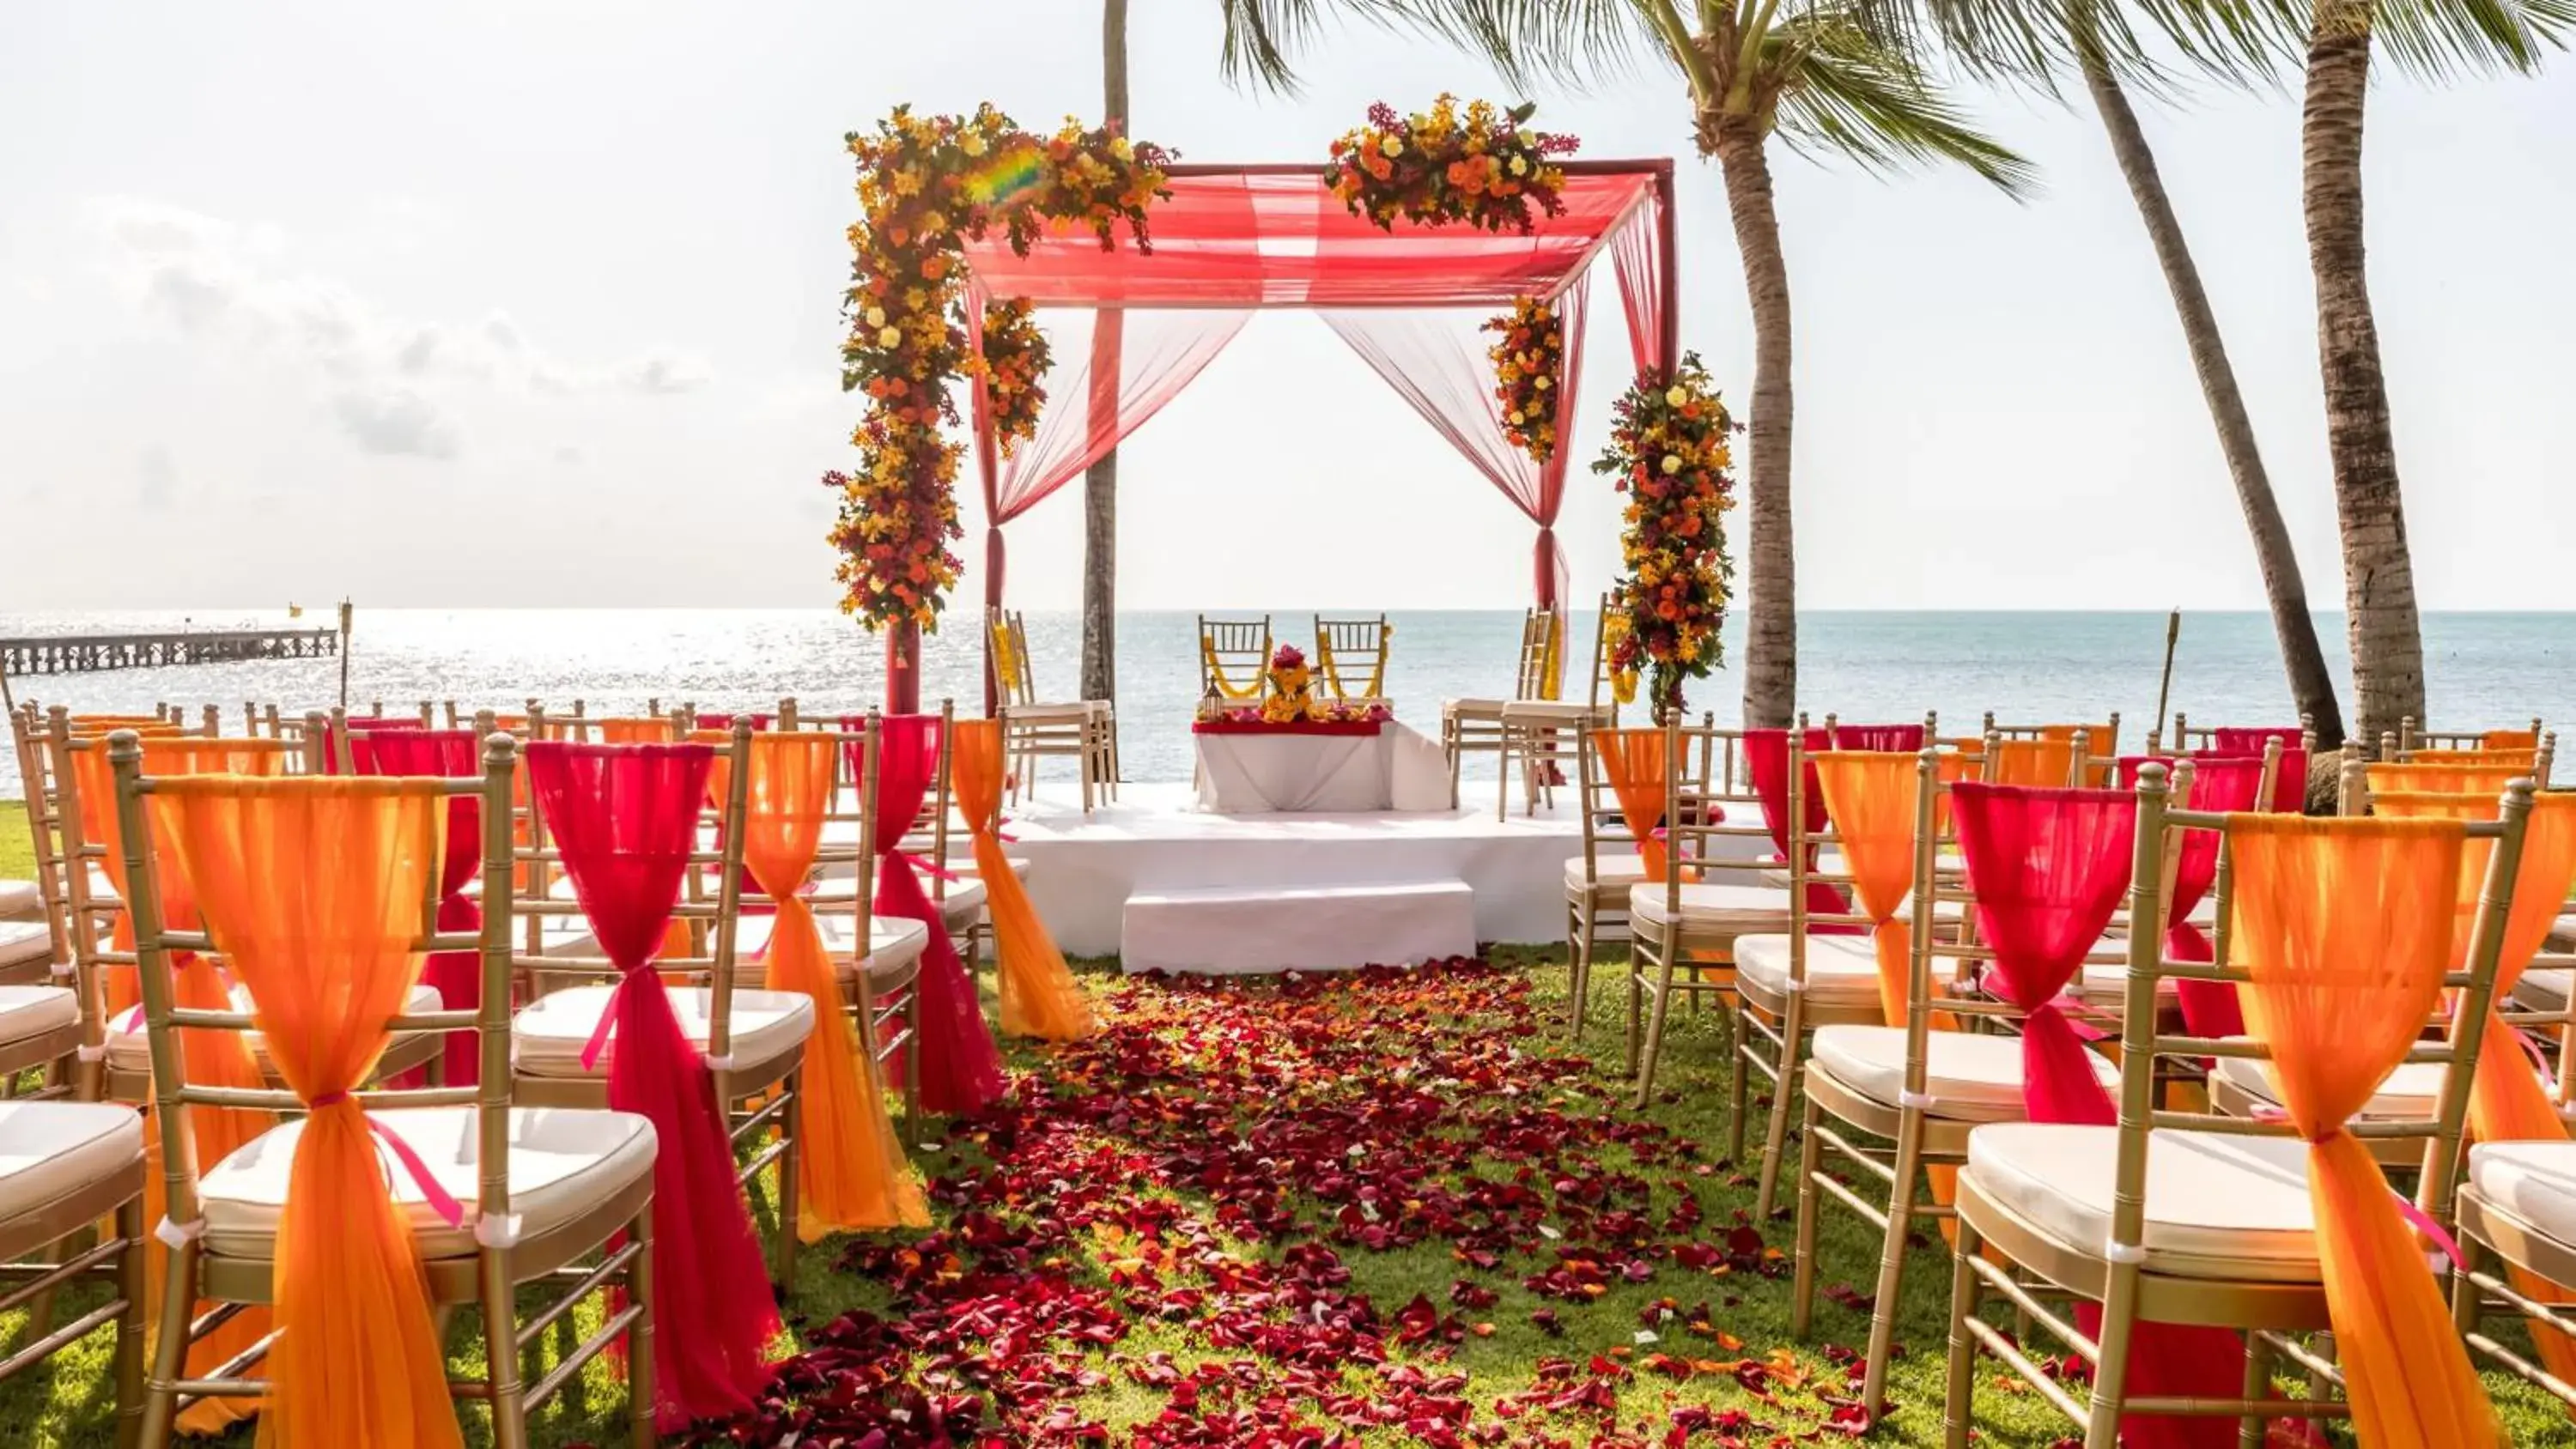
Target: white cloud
664,371
396,422
156,478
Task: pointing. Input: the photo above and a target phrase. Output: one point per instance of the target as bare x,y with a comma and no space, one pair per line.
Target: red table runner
1348,727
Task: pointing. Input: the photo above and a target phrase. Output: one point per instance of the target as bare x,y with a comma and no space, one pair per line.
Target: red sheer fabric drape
1882,738
1636,251
1766,759
2222,784
961,1069
1437,362
625,818
359,742
2290,782
2048,868
458,975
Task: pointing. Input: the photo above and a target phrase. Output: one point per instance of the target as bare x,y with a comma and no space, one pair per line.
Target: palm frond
1264,37
2434,39
1576,43
1845,90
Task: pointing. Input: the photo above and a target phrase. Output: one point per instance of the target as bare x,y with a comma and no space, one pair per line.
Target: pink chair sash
2290,783
2223,784
456,975
1766,759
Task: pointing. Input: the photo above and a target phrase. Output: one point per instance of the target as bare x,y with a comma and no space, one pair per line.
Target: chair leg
1958,1403
1503,778
641,1390
2111,1375
500,1350
170,1353
1784,1093
129,1324
2251,1430
912,1069
1638,960
1802,1286
1580,923
1655,1029
1891,1262
1739,1083
791,1164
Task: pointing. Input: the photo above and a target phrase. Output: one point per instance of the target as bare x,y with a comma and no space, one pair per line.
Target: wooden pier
90,653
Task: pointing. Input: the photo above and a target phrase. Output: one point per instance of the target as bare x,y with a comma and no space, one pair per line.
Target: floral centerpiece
927,185
1290,699
1668,450
1529,373
1292,686
1481,165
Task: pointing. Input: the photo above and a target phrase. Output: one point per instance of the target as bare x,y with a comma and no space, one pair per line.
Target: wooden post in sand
346,613
2164,689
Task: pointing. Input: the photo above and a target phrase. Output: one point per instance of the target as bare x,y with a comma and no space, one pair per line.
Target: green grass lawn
1684,1340
17,847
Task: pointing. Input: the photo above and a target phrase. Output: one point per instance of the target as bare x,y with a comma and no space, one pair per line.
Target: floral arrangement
1292,686
1482,166
926,186
1015,357
1529,373
1668,451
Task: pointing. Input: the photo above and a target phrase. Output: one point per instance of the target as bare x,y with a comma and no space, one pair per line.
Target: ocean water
2484,669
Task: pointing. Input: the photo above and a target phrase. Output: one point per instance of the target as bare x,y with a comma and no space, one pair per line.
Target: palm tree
1828,80
2034,41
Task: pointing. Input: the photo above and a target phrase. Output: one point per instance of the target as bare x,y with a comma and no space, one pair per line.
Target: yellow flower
1391,146
971,143
1676,395
1540,382
893,337
1516,418
1122,148
1672,462
1520,166
876,317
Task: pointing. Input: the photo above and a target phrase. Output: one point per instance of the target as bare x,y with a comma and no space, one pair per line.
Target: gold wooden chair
1683,927
1541,735
35,927
1084,731
66,1166
753,1040
1349,651
2411,737
545,1192
2181,1217
1475,726
1234,654
1598,881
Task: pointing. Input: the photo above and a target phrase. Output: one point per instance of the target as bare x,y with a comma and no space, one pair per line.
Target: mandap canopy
1231,240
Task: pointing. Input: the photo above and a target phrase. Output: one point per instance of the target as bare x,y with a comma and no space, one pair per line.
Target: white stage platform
1082,870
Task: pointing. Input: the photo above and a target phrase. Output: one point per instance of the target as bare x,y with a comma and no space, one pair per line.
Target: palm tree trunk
1771,585
2311,687
1100,481
2378,577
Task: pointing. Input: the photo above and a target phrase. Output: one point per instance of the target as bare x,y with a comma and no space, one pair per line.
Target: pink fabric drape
457,975
1882,738
711,721
2048,868
1437,362
2290,782
626,818
1636,251
2223,784
1766,759
961,1069
359,745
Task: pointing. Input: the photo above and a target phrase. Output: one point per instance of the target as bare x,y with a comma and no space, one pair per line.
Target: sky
514,304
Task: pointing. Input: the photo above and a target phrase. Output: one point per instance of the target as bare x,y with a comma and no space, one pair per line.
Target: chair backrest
155,941
1351,654
2145,1037
43,802
2188,737
1810,831
2411,737
1233,654
1541,639
1692,830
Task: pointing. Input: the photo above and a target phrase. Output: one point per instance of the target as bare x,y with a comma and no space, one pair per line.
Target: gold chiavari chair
1084,731
753,1040
2412,737
2204,1220
35,932
1234,654
1348,650
541,1194
1475,726
1541,735
928,838
2188,737
1683,927
1598,881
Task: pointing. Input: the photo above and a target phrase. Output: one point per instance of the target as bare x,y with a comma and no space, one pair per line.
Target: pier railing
89,653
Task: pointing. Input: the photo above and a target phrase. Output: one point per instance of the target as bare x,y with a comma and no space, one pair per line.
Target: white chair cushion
129,1046
2545,988
893,944
1492,707
2218,1204
1715,907
50,1150
20,898
964,904
24,943
1970,1076
2564,932
1079,712
562,1162
1841,970
547,1036
2533,1181
2414,1090
1607,870
29,1011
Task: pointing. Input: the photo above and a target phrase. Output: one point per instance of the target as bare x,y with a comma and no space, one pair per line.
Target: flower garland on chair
1482,166
1668,451
927,185
1529,373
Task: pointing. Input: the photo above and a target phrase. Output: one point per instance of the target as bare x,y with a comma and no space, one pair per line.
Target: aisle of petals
1182,1233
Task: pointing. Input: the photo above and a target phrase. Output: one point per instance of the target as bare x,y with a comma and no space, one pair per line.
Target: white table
1319,770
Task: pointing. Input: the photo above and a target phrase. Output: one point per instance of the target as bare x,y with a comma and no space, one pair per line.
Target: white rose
1676,395
1540,383
876,317
1516,418
1520,166
1672,462
890,337
1393,146
971,143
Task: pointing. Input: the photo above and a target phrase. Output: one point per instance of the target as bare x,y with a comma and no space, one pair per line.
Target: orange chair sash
1870,797
1639,775
1040,998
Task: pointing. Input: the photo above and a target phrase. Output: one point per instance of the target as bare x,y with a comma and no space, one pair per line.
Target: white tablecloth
1394,769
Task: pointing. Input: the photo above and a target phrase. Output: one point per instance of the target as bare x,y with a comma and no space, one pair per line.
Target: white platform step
1237,930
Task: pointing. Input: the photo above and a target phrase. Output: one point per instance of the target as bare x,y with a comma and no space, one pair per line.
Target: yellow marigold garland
1015,357
926,186
1481,165
1529,373
1668,450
